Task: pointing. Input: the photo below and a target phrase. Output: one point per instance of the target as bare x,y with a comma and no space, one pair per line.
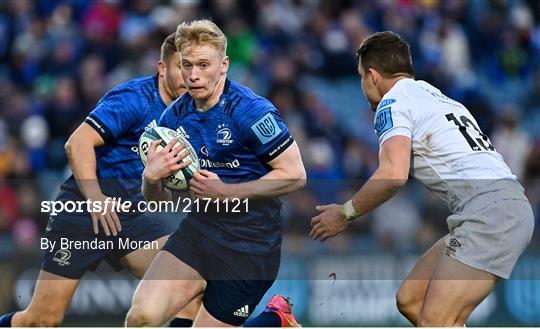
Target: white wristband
348,212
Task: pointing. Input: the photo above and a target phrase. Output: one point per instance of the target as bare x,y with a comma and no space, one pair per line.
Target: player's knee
408,302
142,317
402,300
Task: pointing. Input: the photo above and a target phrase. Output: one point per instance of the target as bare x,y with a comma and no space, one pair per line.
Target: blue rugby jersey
120,117
235,139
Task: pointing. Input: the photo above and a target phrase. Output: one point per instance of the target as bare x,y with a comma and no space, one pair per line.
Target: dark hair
386,52
168,47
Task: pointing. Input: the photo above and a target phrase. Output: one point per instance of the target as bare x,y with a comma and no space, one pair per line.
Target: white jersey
450,154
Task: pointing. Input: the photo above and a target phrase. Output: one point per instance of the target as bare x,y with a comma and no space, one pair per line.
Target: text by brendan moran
97,244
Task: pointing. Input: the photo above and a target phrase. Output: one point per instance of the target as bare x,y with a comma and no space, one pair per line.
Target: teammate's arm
390,176
287,175
82,159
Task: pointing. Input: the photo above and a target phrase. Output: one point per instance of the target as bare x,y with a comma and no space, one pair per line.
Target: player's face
369,88
173,77
203,66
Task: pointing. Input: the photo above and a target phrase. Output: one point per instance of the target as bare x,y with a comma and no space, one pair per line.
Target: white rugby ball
179,180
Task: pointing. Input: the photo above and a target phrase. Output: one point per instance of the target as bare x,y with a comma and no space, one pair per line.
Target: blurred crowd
58,57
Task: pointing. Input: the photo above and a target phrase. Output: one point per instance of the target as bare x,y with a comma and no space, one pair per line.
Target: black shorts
87,249
236,281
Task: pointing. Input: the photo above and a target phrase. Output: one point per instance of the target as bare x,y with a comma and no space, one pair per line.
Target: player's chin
197,92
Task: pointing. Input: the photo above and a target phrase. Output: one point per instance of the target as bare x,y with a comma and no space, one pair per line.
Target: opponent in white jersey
450,154
492,220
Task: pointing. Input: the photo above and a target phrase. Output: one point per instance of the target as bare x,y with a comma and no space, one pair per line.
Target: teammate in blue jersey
246,153
113,169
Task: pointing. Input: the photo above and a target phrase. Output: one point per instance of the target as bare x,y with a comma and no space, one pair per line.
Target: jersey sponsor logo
385,102
204,150
224,135
62,256
207,163
266,128
182,132
383,121
242,311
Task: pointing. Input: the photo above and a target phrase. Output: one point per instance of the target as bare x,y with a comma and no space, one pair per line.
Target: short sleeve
393,117
115,113
263,130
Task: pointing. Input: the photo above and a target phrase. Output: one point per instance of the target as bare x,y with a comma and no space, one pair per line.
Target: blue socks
5,320
179,322
265,319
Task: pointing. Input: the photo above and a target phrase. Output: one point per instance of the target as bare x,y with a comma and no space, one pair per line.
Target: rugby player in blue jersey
246,152
104,159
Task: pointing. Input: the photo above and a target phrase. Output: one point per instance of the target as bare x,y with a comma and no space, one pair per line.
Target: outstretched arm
390,176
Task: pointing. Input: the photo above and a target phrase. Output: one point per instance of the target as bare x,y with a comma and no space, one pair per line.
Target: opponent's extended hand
165,162
328,223
206,184
107,216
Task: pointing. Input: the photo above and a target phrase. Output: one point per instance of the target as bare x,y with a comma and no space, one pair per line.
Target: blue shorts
236,281
82,250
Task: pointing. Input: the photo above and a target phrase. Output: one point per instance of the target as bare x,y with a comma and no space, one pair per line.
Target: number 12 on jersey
477,144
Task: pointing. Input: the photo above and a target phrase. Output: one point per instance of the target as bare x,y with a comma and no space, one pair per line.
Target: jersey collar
222,100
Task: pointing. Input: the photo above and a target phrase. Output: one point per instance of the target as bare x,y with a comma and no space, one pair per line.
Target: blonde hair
200,32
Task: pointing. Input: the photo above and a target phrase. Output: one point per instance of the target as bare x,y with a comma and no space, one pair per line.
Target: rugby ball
178,180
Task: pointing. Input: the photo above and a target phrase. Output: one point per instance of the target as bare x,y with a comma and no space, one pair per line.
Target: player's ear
374,76
225,64
162,68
